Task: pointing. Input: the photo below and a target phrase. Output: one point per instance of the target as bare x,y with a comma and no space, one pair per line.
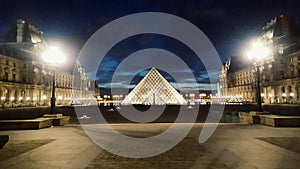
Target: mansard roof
237,63
282,30
24,41
27,31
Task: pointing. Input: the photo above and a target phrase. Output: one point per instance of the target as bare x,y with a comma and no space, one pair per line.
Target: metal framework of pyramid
154,89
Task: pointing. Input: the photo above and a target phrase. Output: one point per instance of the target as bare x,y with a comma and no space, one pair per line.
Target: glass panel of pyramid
154,89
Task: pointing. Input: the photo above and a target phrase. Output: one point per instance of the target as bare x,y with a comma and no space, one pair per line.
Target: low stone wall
169,115
112,115
23,113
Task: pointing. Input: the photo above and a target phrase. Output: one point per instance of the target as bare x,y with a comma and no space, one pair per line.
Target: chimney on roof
20,28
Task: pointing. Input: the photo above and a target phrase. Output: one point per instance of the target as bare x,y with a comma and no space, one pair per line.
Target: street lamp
256,54
54,57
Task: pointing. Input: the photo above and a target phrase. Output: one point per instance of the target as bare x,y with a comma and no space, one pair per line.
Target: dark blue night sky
228,24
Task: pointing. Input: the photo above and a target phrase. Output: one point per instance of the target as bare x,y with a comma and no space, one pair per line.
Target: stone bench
251,118
58,119
280,121
28,124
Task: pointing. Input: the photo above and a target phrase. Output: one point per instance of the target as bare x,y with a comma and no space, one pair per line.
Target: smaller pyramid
154,89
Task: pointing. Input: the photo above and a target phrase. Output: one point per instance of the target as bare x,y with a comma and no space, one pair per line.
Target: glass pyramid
154,89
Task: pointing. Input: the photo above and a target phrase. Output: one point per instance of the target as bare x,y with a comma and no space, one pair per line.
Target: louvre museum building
26,79
278,72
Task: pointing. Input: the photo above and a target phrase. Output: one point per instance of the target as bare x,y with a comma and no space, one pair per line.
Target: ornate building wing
25,78
279,72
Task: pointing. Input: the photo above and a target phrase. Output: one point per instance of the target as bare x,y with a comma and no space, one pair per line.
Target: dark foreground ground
231,146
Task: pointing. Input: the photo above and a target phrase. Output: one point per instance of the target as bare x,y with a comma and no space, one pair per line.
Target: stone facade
26,80
279,72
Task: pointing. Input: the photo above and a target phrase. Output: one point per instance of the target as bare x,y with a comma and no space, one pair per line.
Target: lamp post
54,58
256,54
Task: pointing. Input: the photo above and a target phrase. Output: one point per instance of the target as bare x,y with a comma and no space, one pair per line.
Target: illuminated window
292,70
281,75
280,48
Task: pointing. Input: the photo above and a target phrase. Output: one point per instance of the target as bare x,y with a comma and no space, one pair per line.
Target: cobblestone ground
231,146
187,154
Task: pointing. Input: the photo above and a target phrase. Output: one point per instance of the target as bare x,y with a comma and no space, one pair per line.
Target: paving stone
289,143
17,147
231,146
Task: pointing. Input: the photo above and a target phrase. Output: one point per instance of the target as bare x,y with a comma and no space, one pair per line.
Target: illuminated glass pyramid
154,89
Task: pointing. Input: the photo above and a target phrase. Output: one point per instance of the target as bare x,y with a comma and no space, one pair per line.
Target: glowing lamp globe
258,51
53,56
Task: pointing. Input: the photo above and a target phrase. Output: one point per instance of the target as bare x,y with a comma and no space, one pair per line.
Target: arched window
298,92
283,89
6,93
290,89
6,73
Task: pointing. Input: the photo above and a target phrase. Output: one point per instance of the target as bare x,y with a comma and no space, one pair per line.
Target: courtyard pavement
231,146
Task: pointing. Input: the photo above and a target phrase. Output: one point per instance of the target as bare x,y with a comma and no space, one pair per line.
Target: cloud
116,85
125,74
183,71
202,79
195,86
178,62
